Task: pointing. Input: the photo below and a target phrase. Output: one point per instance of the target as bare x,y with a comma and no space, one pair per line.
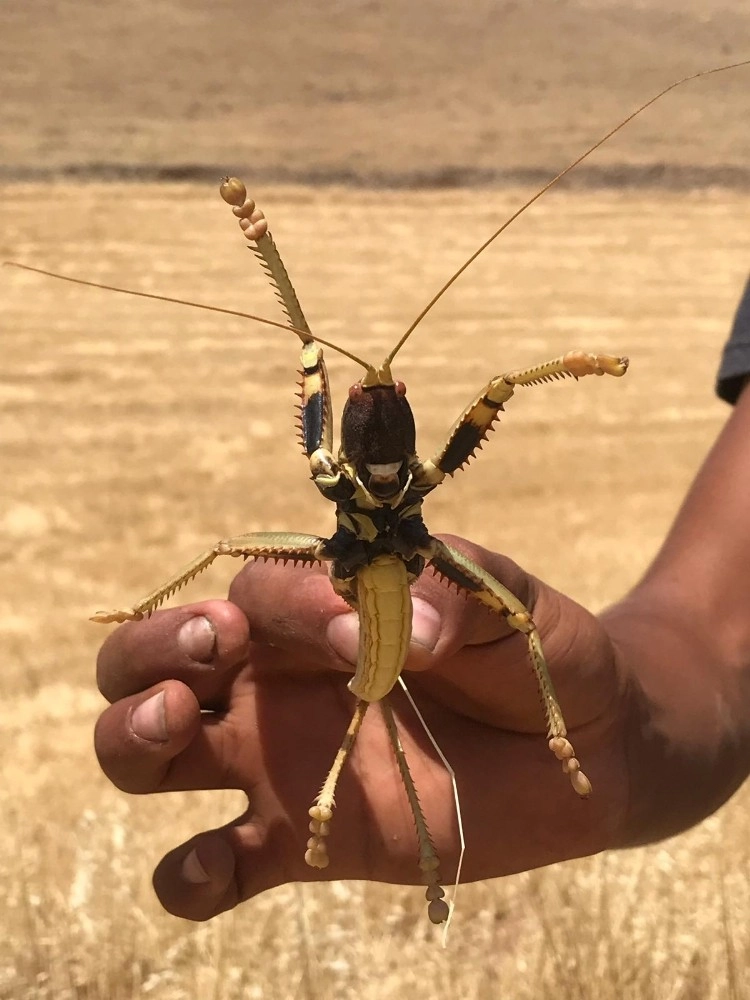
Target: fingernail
192,870
148,720
343,636
197,639
425,626
343,630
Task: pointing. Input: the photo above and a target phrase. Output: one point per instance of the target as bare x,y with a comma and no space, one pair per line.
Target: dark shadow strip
666,176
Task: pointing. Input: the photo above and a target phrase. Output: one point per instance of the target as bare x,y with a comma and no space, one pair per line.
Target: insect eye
400,388
355,391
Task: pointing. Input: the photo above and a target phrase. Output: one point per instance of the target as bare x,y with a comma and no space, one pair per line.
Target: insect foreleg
477,582
256,545
473,425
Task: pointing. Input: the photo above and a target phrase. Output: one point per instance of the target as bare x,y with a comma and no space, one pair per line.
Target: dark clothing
735,363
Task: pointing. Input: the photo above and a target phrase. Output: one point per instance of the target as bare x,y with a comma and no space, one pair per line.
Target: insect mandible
381,544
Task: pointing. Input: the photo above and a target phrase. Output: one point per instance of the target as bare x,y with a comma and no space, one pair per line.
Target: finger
216,870
494,682
197,644
289,605
295,609
465,621
197,880
159,740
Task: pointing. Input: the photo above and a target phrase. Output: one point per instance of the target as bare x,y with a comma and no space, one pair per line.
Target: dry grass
133,433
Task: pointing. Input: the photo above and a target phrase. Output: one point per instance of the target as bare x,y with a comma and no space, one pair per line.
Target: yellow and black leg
476,421
316,429
255,545
477,582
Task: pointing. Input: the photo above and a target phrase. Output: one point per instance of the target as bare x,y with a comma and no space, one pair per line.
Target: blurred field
133,433
371,91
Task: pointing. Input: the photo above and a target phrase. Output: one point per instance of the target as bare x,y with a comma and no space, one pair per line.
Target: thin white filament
457,802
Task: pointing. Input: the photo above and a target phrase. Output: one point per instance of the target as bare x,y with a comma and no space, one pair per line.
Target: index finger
197,644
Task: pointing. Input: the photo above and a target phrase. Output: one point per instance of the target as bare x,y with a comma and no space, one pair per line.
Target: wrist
685,717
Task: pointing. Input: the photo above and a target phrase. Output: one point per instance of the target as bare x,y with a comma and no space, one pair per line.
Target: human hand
257,701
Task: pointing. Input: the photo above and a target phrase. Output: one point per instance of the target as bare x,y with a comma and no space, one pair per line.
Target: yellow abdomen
384,626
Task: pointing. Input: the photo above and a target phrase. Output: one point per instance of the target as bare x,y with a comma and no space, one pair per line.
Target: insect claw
108,617
438,911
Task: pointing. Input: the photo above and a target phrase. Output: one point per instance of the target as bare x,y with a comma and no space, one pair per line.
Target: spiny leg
321,813
429,862
315,424
461,570
476,421
258,545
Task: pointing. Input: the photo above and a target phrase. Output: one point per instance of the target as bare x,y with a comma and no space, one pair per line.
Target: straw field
135,432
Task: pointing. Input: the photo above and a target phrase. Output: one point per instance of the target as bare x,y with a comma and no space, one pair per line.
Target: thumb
217,869
295,609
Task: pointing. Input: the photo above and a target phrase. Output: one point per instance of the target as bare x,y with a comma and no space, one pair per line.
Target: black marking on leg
461,447
413,533
313,416
414,566
460,577
343,490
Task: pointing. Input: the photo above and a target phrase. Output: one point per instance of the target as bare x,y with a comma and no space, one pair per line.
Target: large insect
381,544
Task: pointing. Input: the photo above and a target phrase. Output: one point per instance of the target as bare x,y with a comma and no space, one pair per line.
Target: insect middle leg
482,586
259,545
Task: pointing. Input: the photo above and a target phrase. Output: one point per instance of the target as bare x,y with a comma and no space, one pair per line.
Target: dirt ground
134,433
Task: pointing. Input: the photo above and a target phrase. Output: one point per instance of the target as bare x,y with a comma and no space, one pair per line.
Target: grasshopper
381,544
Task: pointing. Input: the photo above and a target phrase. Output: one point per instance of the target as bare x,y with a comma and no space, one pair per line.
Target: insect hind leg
429,862
321,812
482,586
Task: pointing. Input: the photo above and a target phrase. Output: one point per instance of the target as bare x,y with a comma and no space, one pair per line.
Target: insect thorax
365,532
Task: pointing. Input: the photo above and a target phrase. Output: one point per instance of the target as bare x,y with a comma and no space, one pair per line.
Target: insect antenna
304,335
571,166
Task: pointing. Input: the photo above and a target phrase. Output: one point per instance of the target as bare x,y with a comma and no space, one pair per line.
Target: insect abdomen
385,612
